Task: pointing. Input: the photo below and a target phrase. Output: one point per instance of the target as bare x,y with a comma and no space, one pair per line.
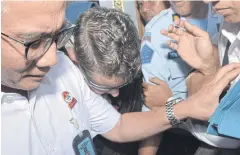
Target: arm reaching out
201,105
194,46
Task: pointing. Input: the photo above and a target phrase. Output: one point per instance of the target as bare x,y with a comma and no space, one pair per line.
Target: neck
6,89
199,14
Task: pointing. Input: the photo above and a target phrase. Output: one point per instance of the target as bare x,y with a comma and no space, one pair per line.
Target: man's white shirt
42,126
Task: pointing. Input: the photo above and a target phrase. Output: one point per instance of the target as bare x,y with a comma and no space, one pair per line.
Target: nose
49,58
114,92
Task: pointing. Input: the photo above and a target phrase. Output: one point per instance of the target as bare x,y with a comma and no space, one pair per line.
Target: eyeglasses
37,48
104,88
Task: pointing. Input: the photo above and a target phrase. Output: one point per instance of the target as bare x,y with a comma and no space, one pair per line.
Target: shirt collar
32,94
11,97
231,31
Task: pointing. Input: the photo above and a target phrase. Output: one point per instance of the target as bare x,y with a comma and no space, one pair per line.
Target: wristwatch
169,110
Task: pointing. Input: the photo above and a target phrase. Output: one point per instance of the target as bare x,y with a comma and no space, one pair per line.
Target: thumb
225,69
227,78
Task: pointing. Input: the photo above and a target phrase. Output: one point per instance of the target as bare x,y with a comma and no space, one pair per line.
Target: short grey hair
107,43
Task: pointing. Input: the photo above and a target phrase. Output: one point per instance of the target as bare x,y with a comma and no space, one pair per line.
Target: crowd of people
55,101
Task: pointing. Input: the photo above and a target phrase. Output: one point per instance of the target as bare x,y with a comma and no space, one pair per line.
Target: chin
231,19
147,18
29,86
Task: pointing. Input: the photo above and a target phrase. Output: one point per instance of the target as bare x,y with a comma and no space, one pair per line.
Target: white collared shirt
41,126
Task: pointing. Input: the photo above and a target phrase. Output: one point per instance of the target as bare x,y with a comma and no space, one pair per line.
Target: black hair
130,99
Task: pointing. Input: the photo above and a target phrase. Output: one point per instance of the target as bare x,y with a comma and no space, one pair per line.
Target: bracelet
170,113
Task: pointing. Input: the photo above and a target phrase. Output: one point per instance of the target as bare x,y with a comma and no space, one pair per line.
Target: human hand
194,46
196,80
203,103
156,95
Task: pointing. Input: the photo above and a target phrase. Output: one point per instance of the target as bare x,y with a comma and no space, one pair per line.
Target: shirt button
51,148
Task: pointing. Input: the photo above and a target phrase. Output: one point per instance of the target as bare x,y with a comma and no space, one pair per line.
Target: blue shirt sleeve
155,61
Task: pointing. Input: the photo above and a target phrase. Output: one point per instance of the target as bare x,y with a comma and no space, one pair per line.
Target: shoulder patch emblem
146,54
175,17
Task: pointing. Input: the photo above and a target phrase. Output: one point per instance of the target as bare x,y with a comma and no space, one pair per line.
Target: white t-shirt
42,126
231,32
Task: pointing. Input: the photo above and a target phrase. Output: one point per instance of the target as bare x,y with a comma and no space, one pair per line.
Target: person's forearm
217,66
150,145
140,125
197,80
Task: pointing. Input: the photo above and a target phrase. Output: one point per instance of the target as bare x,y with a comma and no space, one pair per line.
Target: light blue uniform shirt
76,8
154,51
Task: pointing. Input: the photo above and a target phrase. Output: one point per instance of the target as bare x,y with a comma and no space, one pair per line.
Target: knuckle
146,94
151,87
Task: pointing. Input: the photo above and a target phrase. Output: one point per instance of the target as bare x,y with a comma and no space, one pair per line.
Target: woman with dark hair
130,99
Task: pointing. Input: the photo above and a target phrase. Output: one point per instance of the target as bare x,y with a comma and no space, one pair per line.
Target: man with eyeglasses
48,108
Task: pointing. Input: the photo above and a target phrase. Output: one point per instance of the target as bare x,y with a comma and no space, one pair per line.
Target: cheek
28,84
13,79
10,77
13,64
186,10
12,57
237,13
231,16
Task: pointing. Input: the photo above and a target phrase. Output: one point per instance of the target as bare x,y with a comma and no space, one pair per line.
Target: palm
194,46
196,51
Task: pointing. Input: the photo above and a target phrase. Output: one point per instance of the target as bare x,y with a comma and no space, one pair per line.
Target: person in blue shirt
149,9
158,60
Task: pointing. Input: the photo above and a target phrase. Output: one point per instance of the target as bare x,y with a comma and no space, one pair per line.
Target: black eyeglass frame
104,88
53,38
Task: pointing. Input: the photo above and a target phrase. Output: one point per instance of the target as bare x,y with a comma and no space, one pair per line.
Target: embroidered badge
173,55
147,37
175,17
69,99
146,54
